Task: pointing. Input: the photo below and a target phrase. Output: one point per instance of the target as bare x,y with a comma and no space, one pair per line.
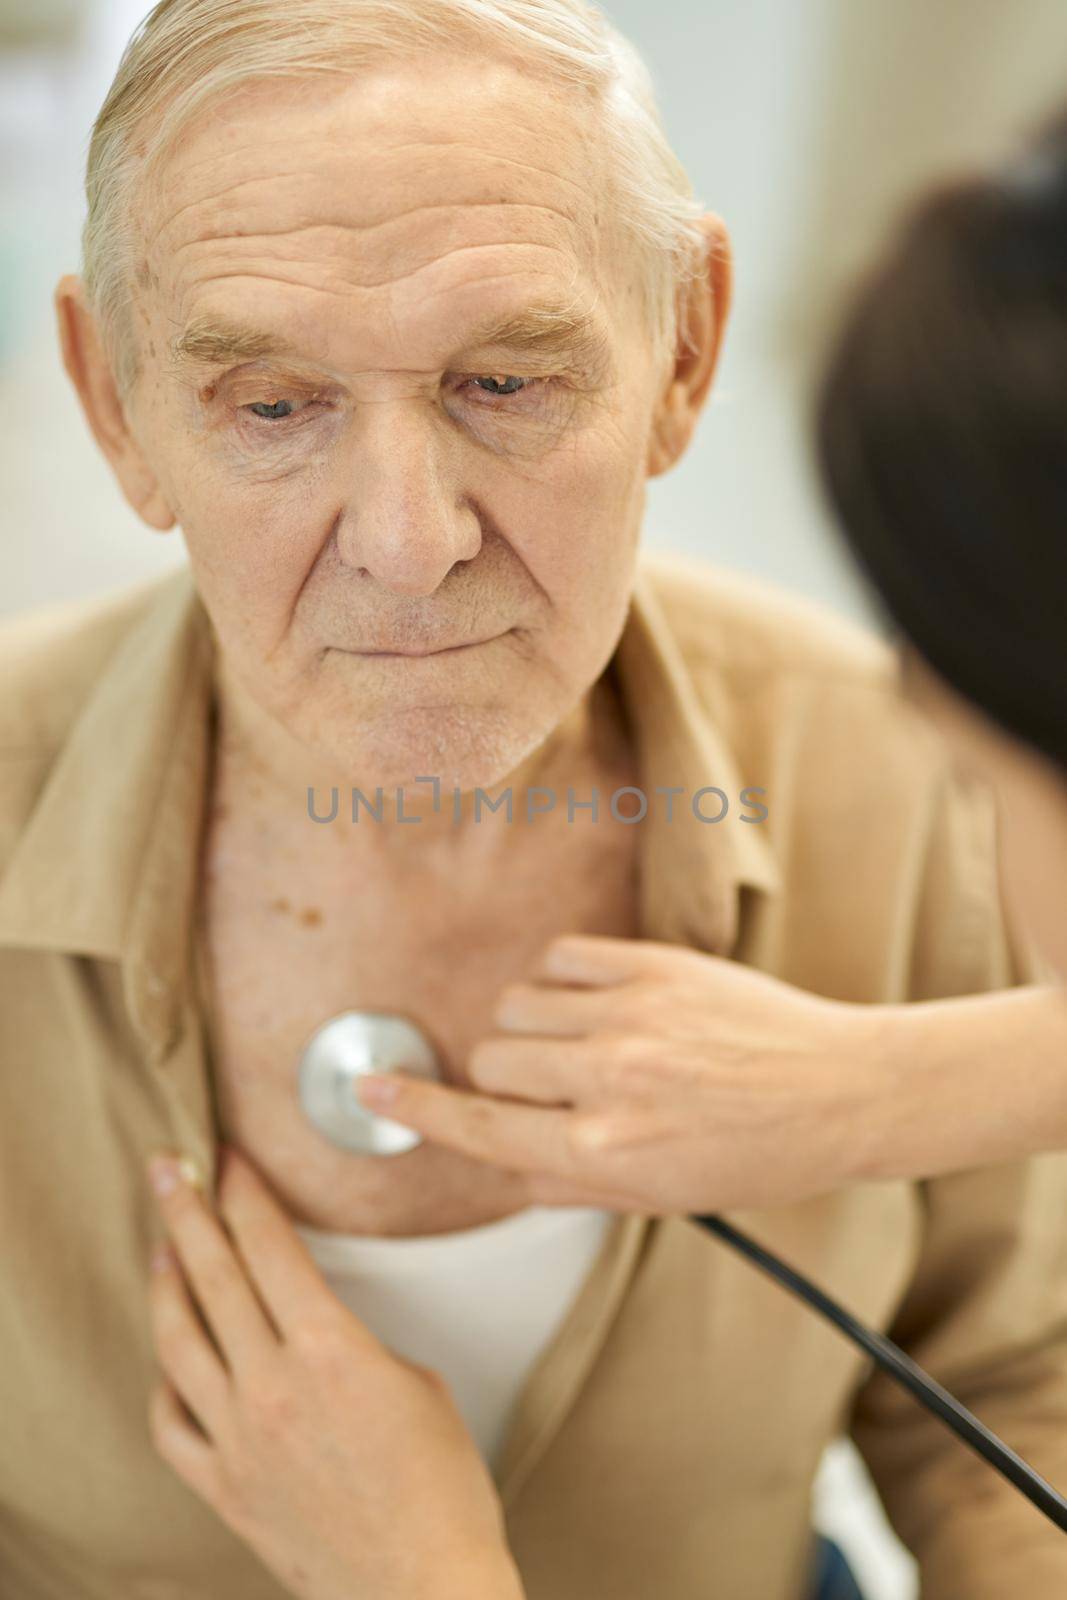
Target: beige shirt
664,1443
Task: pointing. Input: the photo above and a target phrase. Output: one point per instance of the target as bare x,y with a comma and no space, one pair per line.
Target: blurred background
805,124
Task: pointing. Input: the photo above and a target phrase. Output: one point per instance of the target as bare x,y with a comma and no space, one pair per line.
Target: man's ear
706,303
90,373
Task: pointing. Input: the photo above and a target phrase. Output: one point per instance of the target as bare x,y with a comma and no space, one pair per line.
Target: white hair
187,53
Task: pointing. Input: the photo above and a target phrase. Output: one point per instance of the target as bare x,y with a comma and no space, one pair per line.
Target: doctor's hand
650,1077
347,1469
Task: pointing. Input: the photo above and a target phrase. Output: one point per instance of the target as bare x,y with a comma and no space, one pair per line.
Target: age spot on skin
311,918
145,277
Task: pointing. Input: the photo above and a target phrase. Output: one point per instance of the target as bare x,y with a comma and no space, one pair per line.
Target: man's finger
281,1267
186,1354
178,1442
211,1266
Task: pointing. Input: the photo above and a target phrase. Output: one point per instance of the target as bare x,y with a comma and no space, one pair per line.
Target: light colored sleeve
986,1311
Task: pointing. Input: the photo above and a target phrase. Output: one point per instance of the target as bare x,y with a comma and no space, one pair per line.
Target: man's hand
649,1077
347,1469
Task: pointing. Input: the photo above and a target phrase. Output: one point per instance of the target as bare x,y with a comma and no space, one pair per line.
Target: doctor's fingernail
377,1091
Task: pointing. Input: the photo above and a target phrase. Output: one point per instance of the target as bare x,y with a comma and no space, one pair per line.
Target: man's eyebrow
548,330
541,332
209,341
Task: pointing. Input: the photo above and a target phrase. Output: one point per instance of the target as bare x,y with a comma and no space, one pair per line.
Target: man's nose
404,519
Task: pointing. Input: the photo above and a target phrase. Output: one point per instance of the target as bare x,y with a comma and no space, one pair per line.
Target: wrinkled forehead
436,177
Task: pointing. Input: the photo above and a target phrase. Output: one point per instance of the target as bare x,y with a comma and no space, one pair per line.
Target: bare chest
283,949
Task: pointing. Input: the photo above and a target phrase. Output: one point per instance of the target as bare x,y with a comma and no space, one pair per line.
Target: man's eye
270,410
495,386
500,382
501,386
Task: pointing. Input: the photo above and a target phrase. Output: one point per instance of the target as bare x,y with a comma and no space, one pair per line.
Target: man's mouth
439,650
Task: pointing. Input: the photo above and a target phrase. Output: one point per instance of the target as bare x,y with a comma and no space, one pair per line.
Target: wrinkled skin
399,503
377,490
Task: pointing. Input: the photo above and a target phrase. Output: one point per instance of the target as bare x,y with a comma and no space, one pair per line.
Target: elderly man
394,316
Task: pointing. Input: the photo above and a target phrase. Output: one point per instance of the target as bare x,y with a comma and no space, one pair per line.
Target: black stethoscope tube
355,1042
906,1372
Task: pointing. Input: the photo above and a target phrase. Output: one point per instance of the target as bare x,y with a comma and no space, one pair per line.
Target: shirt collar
691,869
107,863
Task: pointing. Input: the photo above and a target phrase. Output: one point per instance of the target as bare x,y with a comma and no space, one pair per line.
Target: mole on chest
271,987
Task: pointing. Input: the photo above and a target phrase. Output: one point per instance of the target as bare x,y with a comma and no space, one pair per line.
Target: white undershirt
478,1305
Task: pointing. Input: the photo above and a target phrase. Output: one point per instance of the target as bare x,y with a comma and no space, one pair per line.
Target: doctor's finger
555,1008
520,1138
545,1071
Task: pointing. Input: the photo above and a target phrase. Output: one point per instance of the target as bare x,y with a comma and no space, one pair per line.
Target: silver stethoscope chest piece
347,1047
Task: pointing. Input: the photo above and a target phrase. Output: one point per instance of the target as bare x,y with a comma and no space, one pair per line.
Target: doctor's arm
657,1078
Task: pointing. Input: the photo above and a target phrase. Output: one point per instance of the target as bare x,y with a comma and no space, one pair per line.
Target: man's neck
255,759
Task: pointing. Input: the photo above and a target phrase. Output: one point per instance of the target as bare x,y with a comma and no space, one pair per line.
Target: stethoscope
354,1043
347,1047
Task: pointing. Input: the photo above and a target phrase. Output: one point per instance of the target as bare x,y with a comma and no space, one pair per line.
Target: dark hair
941,436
